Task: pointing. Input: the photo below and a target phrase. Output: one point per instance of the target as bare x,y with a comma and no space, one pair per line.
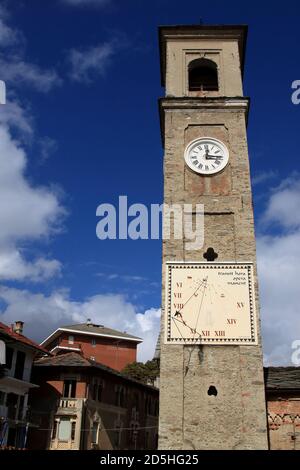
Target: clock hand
213,157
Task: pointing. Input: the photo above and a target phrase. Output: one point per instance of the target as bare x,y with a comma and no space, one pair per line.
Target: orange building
109,347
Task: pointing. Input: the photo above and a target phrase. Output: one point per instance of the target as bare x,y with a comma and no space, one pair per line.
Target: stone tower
211,389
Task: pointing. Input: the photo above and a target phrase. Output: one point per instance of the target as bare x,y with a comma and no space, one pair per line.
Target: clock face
210,303
206,156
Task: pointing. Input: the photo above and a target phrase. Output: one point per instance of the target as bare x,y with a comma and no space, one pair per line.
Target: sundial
210,303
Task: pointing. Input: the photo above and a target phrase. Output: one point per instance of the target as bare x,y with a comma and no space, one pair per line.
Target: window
95,427
99,392
136,400
69,390
19,369
94,342
54,430
71,340
64,431
2,398
120,398
73,429
96,391
203,75
12,405
9,357
21,411
117,436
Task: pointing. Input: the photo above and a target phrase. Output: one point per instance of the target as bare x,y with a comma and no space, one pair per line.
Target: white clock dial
206,156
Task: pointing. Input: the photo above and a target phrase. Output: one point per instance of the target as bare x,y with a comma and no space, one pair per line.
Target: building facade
110,347
283,406
85,405
211,379
16,416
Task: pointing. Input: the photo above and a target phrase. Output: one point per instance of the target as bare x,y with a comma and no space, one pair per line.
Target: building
85,405
212,392
283,406
15,383
110,347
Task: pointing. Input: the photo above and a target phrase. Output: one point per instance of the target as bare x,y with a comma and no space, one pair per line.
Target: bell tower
211,369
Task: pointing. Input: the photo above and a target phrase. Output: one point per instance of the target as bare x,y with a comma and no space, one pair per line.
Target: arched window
203,75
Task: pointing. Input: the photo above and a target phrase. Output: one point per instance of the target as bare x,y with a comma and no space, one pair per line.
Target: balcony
66,345
69,405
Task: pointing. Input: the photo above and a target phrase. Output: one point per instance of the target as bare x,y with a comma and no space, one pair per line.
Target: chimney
18,327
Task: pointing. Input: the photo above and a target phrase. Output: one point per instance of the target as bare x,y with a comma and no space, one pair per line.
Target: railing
70,403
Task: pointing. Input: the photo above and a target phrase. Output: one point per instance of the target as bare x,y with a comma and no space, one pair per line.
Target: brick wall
111,352
284,421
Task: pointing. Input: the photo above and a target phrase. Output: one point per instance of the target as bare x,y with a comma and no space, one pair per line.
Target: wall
284,421
112,352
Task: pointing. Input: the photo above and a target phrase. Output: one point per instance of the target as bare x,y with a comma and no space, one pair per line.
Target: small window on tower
71,340
203,75
94,342
95,428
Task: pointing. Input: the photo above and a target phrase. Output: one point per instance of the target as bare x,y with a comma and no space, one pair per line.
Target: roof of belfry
94,330
238,32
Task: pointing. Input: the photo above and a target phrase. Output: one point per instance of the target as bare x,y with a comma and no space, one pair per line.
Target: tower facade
211,378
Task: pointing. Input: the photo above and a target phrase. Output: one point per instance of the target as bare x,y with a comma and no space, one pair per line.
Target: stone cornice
240,103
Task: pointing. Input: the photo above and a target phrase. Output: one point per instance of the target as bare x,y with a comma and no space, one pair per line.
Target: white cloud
263,176
283,207
8,35
123,277
27,213
86,64
47,147
17,72
86,2
13,266
43,314
278,268
13,114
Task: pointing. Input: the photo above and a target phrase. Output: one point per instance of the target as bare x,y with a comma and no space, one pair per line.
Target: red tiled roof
7,331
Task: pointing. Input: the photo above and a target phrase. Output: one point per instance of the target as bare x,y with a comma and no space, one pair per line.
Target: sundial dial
210,303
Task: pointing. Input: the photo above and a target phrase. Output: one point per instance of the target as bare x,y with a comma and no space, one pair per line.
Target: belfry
211,370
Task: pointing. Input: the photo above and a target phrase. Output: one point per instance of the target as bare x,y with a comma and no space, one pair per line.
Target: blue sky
81,127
